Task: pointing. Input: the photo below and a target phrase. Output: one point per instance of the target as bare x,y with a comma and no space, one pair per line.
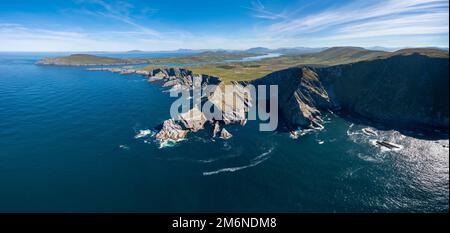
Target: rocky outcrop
194,119
179,78
224,134
171,131
216,129
233,101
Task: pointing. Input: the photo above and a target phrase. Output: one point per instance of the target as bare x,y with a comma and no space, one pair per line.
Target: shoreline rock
224,134
216,129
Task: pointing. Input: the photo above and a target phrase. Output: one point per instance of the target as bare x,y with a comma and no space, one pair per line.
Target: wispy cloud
120,11
260,11
368,18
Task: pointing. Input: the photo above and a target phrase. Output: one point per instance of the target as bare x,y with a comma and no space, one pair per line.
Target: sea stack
224,134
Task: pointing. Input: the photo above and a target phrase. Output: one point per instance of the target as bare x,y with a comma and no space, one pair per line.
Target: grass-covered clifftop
209,56
244,71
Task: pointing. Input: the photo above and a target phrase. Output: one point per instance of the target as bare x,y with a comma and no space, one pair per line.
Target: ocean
73,140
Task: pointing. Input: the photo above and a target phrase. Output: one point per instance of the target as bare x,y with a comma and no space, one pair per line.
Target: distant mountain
135,51
340,55
294,50
258,50
386,49
298,50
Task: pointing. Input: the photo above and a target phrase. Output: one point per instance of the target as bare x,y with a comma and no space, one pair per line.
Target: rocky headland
407,90
89,60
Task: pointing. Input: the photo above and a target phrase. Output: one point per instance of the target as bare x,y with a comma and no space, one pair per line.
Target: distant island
88,60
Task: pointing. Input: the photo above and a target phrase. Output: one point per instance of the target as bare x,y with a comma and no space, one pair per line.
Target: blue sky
119,25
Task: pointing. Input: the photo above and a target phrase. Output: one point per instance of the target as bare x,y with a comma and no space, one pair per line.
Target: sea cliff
405,91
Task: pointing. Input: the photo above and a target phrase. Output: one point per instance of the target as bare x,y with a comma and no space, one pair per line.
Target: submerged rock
388,144
370,132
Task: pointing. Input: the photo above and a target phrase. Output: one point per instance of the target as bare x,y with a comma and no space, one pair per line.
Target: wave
169,143
124,147
369,158
255,161
349,130
301,132
144,133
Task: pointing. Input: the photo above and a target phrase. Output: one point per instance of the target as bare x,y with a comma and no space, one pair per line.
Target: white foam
349,132
255,161
124,147
169,143
369,158
143,133
301,132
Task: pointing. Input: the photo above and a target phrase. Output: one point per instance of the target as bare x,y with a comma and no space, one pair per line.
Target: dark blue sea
70,142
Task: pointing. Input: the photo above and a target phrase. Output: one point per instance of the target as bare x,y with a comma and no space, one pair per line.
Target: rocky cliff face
301,96
401,91
192,120
407,91
178,78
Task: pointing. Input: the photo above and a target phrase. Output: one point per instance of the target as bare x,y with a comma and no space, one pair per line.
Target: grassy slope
204,57
334,56
252,70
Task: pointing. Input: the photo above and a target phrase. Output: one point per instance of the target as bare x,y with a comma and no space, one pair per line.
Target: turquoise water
68,144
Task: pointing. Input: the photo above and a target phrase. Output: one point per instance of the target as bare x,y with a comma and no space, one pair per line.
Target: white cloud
367,16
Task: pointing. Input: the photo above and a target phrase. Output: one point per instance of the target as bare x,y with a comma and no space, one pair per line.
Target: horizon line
216,49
